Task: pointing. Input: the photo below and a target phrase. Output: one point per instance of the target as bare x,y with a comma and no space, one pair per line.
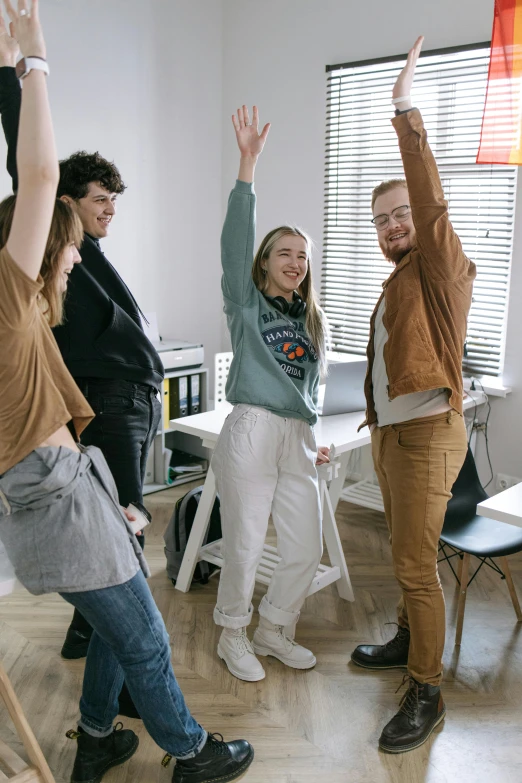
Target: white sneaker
235,649
272,641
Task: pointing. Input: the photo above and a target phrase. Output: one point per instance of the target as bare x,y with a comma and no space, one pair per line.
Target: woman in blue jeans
56,497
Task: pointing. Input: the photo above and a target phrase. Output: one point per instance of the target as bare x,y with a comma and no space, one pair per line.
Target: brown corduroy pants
417,463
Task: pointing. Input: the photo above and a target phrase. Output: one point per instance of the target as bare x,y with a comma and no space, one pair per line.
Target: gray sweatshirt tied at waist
62,526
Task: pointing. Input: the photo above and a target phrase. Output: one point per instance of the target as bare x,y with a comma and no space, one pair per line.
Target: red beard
395,255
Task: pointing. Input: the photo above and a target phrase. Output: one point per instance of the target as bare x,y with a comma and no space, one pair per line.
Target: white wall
141,83
275,54
188,162
99,95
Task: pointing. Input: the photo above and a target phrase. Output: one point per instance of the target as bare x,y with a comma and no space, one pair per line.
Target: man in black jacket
101,339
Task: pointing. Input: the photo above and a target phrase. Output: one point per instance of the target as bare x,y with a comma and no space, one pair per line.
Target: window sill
491,385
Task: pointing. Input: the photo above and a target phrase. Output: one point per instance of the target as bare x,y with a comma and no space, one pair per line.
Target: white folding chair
221,368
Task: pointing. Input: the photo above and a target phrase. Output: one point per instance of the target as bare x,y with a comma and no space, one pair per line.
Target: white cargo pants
265,464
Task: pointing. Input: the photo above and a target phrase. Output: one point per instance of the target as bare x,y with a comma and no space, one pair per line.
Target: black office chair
465,533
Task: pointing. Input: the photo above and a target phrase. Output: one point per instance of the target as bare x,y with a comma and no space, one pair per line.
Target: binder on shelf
166,404
174,398
178,397
183,395
194,396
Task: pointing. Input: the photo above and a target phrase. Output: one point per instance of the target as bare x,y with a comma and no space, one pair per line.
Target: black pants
127,419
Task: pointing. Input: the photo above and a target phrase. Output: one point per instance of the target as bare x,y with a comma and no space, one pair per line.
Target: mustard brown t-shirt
37,393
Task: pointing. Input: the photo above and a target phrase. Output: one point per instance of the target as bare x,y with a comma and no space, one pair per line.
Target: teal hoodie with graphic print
275,364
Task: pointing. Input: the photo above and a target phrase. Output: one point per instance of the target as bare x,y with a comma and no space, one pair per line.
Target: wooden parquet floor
320,726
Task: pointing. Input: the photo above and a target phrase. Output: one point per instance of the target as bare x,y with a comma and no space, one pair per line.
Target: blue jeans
126,422
130,642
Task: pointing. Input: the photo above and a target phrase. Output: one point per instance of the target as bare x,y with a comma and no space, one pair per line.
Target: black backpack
178,532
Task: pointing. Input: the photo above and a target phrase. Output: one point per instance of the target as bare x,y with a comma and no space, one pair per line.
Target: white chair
221,367
38,770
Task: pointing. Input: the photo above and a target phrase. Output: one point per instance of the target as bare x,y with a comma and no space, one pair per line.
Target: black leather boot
76,644
421,709
218,761
78,637
392,655
96,755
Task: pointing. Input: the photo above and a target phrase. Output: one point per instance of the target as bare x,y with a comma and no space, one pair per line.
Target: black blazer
101,335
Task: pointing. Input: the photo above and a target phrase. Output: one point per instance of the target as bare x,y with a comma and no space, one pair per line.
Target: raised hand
9,49
25,27
403,85
249,140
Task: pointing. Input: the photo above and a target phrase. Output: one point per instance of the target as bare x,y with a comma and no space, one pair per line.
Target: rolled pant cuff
426,679
225,620
275,615
199,747
94,731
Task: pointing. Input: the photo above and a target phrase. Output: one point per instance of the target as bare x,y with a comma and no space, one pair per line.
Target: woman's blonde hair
316,324
65,228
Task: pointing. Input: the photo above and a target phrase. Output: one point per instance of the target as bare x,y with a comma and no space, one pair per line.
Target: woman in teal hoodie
265,459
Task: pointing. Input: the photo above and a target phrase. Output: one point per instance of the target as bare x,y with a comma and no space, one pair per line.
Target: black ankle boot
76,644
96,755
392,655
218,761
421,709
126,706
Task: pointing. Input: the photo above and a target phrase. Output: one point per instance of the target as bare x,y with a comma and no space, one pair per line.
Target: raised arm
36,157
238,235
10,97
440,247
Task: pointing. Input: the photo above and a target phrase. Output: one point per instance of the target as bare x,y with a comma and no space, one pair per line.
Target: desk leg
197,534
337,484
333,544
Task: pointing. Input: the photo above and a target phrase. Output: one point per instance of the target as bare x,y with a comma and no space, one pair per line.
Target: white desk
338,432
504,507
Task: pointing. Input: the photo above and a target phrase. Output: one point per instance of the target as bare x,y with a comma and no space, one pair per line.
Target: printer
179,355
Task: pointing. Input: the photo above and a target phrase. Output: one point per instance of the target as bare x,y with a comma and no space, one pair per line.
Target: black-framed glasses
398,214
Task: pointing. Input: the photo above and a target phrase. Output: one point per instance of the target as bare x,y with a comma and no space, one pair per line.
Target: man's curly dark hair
82,168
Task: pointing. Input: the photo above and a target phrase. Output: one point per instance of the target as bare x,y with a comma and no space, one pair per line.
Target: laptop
343,391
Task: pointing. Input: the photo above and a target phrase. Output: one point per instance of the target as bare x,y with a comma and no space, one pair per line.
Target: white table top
504,507
341,430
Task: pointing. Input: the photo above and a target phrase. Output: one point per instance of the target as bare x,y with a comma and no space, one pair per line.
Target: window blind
362,150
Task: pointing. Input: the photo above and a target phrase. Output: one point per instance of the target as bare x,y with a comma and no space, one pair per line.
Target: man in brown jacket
414,409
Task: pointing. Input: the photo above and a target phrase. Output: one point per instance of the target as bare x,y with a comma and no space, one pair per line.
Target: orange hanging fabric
501,137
